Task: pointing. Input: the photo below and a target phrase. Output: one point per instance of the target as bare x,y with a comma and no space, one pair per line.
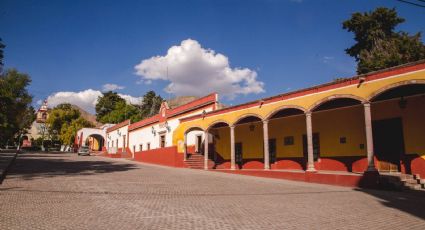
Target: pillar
310,158
185,147
206,150
232,148
266,144
369,137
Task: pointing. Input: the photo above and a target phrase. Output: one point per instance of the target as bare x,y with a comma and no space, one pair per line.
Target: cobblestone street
65,191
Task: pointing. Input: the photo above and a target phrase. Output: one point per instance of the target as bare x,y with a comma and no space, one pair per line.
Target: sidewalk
6,160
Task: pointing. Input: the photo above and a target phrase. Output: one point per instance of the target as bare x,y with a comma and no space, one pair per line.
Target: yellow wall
331,125
413,119
291,126
334,124
222,144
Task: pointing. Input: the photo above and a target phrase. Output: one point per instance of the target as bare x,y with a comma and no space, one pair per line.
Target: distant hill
88,116
178,101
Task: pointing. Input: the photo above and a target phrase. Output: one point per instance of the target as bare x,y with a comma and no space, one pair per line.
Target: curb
3,172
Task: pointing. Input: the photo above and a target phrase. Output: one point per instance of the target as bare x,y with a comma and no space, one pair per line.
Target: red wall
163,156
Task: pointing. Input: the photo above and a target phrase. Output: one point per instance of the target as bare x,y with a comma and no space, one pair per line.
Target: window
149,146
123,141
342,140
289,140
134,148
162,141
140,147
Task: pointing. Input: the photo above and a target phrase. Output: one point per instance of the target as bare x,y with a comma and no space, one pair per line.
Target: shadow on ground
38,165
408,201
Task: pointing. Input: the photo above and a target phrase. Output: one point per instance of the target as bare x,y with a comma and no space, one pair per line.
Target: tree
151,104
106,103
120,113
68,131
16,112
378,46
63,123
2,46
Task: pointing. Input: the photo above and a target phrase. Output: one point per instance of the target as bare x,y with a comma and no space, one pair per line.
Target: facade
38,127
365,123
156,133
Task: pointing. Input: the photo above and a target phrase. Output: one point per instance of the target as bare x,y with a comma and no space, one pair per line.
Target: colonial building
367,123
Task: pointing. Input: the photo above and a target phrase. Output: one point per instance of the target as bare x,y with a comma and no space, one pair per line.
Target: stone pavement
64,191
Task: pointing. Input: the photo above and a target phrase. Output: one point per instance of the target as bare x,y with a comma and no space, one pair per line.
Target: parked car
83,150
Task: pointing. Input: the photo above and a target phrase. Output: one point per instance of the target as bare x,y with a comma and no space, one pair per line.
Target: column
206,150
310,158
369,137
232,148
185,147
266,144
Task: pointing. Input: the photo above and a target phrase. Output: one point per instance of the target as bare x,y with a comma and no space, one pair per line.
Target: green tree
120,113
16,113
377,45
150,105
106,103
69,130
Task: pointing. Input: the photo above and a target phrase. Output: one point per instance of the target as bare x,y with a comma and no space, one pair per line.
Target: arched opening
398,125
194,138
95,142
219,145
249,148
338,134
286,130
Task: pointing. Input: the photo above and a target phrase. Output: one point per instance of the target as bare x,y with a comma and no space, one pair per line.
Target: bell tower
42,113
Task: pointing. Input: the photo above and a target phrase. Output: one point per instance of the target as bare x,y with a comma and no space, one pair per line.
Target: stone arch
334,97
384,89
278,109
217,122
192,128
245,116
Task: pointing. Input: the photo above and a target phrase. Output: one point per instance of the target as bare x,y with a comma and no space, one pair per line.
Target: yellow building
368,122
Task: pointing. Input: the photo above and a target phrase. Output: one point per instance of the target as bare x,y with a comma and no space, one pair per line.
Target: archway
95,142
398,125
248,144
219,145
338,134
286,129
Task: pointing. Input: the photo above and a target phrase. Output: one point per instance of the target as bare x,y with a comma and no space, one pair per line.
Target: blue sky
282,45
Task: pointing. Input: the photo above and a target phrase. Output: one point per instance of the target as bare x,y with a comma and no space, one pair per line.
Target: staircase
401,181
196,161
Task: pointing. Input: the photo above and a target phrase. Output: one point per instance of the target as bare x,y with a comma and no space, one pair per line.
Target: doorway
316,146
198,143
162,140
388,143
238,154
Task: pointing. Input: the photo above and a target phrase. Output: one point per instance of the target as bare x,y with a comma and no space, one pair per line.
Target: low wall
167,156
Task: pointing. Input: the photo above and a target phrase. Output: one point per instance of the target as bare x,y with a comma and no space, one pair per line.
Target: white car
83,150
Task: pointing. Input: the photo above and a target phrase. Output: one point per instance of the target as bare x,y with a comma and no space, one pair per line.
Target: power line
413,3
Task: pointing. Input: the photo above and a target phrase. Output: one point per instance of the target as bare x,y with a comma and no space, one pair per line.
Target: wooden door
388,143
272,150
316,146
238,153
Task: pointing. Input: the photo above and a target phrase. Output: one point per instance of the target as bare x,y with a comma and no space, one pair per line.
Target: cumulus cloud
111,87
85,99
193,70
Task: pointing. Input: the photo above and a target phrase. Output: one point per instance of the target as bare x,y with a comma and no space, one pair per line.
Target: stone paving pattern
65,191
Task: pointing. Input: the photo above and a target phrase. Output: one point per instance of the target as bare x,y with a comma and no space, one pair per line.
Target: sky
244,50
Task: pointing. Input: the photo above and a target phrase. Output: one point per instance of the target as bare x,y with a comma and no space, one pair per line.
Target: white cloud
86,99
327,59
193,70
111,87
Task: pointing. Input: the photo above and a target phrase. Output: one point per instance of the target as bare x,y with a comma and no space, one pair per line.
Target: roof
409,67
193,105
117,126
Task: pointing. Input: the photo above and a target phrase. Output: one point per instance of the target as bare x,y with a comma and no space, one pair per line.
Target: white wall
144,135
115,135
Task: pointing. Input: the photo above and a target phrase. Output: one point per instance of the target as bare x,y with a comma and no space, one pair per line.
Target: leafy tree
68,131
16,113
121,112
106,103
2,46
151,104
60,115
378,46
63,123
